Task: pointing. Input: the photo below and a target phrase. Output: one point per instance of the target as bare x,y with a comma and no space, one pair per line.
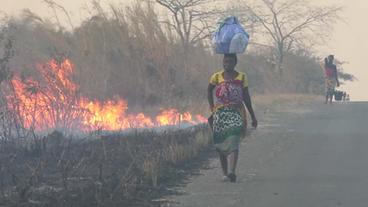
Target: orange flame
54,103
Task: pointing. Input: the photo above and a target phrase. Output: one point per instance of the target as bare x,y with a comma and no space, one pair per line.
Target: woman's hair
329,60
232,55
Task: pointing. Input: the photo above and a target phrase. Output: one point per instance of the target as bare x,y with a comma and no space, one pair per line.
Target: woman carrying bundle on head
227,94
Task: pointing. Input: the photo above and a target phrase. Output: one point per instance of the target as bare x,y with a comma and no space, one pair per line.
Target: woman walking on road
331,78
228,112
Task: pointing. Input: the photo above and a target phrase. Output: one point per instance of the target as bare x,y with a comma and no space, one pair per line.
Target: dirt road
307,158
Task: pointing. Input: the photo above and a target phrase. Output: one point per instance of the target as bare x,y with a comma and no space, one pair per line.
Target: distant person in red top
331,78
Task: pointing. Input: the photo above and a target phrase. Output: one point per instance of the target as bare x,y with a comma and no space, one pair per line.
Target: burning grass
54,102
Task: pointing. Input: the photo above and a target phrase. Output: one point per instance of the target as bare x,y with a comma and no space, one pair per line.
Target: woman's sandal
232,177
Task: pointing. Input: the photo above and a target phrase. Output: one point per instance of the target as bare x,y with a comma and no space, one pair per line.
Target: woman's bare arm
337,77
210,95
248,103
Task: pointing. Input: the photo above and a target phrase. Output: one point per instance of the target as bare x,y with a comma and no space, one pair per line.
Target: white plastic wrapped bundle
230,37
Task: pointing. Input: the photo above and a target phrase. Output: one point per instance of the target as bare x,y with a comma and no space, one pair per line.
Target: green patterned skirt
228,128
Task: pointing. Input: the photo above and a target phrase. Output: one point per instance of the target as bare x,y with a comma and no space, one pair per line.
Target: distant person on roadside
347,97
331,78
228,121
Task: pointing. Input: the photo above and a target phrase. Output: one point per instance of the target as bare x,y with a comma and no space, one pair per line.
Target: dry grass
130,53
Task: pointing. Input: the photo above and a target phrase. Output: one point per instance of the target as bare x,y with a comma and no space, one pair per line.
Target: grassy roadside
115,170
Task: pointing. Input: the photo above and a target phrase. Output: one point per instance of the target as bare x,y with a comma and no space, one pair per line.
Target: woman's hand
210,96
212,109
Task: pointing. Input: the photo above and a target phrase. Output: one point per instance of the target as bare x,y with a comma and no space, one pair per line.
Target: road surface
305,158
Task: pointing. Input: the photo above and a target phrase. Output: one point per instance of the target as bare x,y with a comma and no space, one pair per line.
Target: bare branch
188,17
52,3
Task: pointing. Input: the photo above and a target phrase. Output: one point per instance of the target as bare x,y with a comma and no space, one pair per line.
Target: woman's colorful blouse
228,92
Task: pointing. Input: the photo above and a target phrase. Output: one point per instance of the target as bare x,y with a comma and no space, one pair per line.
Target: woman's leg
223,161
233,160
332,94
328,94
327,97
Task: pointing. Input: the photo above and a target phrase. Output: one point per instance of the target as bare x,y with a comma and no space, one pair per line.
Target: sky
348,41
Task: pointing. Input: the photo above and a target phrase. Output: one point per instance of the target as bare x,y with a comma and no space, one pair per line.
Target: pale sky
348,43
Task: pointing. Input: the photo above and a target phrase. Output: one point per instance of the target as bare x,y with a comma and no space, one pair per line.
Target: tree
342,74
292,24
189,20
